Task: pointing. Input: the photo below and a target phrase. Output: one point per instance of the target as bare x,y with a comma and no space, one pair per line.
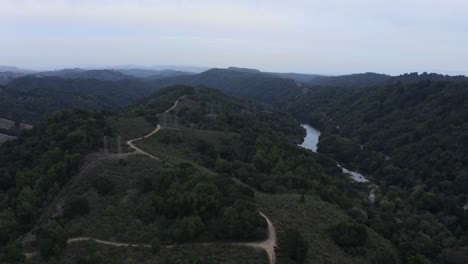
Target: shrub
347,234
103,185
76,206
51,239
12,253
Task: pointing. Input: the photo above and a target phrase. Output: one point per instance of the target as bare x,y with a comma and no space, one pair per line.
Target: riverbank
311,141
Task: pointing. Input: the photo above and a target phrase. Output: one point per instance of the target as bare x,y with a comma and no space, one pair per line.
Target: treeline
34,167
256,86
411,136
32,99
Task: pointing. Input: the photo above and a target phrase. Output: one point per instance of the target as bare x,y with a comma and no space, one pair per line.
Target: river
311,139
310,142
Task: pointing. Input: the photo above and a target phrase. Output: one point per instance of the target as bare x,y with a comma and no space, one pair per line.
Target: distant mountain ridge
232,68
5,68
6,77
247,84
153,74
30,99
182,68
77,73
351,80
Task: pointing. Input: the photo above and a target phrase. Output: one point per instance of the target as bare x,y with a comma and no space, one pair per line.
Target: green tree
12,253
145,211
8,226
51,239
25,178
347,234
26,205
76,206
188,228
103,185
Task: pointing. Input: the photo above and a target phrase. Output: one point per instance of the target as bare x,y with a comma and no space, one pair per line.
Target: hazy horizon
316,37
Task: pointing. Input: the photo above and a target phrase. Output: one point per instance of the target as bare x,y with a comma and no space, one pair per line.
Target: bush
358,214
12,253
76,206
103,185
145,211
51,239
145,184
188,228
122,162
386,257
347,234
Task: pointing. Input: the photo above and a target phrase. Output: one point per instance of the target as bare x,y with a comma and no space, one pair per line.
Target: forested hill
34,168
401,120
351,80
103,75
30,99
411,137
250,85
186,195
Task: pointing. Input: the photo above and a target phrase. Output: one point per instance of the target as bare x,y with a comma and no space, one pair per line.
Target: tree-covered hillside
103,75
258,147
411,137
34,167
250,85
30,99
351,80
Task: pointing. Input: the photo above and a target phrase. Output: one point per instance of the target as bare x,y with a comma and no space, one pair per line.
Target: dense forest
31,99
103,75
258,147
411,136
352,80
34,167
406,133
250,85
186,203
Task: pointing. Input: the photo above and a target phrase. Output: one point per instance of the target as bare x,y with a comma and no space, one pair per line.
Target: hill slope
103,75
30,99
249,85
189,196
410,136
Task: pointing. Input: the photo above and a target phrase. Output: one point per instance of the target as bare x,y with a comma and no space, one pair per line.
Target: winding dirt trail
104,242
158,127
268,245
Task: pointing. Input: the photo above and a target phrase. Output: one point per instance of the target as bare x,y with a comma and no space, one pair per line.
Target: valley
233,132
194,169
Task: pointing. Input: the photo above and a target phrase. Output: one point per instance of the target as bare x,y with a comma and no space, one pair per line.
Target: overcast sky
311,36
